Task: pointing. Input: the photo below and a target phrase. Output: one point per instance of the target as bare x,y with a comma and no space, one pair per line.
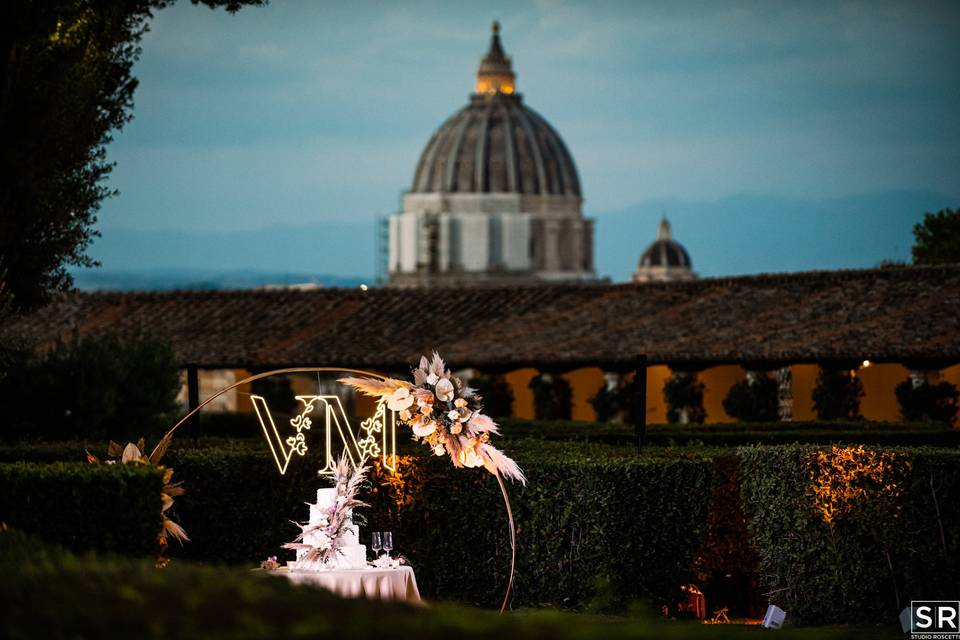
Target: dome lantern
495,74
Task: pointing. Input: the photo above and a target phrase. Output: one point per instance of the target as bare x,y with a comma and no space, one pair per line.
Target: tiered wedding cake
350,553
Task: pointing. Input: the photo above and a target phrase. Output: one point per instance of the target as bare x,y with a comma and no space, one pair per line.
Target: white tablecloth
397,584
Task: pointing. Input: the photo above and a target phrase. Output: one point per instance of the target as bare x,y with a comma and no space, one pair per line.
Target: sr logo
935,617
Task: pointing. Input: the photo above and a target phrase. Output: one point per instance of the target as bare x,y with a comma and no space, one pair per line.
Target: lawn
51,593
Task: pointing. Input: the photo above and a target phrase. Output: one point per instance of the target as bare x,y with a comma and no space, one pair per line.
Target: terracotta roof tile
896,314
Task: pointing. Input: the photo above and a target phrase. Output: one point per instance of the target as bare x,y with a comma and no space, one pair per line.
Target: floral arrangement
134,454
444,414
270,564
322,540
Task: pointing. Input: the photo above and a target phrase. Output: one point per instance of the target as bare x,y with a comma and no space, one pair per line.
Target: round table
398,584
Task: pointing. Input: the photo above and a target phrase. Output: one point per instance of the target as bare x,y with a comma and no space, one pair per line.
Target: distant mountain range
741,234
171,279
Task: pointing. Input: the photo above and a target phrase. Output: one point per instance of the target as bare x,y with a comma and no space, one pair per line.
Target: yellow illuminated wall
522,394
584,384
879,381
717,382
804,379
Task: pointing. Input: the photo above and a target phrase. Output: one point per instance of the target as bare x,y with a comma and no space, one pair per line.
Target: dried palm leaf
506,466
374,387
175,530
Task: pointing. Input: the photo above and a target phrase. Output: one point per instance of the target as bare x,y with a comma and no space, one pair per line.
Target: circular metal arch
168,436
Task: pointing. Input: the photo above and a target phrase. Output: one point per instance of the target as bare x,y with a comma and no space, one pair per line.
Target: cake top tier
326,496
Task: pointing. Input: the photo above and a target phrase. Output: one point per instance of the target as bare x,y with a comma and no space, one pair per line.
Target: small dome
496,144
665,252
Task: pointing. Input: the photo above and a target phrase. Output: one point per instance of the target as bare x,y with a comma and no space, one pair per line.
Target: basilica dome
496,144
495,198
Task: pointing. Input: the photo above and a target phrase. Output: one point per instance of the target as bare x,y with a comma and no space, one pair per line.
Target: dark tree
837,395
937,238
753,400
496,393
683,394
927,402
96,387
66,85
551,397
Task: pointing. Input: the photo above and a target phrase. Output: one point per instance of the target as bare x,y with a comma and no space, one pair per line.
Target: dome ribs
535,150
480,182
568,182
497,145
513,178
449,181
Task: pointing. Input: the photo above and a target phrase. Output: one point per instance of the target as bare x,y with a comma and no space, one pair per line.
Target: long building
896,320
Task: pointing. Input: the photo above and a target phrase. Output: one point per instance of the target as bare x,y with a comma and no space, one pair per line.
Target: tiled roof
895,314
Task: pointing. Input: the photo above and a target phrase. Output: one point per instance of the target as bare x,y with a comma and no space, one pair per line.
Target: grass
48,592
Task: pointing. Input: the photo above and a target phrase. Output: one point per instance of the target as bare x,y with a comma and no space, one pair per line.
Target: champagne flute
376,543
387,541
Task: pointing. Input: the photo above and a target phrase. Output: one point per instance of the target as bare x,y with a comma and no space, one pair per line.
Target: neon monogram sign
377,437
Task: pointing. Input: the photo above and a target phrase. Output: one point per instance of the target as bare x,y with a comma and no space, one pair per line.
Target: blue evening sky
775,135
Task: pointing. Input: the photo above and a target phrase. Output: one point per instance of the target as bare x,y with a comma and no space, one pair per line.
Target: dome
665,260
665,251
496,144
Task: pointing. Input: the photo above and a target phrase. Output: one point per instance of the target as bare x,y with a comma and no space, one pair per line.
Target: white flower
399,399
453,414
439,450
444,390
432,378
459,403
421,428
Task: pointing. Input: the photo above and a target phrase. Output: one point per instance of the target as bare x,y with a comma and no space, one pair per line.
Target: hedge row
82,506
597,526
740,434
58,595
853,534
579,532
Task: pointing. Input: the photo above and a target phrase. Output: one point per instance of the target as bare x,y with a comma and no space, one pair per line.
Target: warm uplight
363,287
865,364
846,478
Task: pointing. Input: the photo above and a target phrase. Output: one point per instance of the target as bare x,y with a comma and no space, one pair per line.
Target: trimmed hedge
831,557
598,527
82,506
58,595
739,434
579,534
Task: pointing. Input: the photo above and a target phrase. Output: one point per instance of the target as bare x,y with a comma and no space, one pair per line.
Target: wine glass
387,541
376,543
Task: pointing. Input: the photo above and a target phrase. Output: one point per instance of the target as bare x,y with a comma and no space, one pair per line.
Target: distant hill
741,234
169,279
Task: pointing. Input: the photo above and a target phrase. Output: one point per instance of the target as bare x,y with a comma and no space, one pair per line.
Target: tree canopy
937,238
66,85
